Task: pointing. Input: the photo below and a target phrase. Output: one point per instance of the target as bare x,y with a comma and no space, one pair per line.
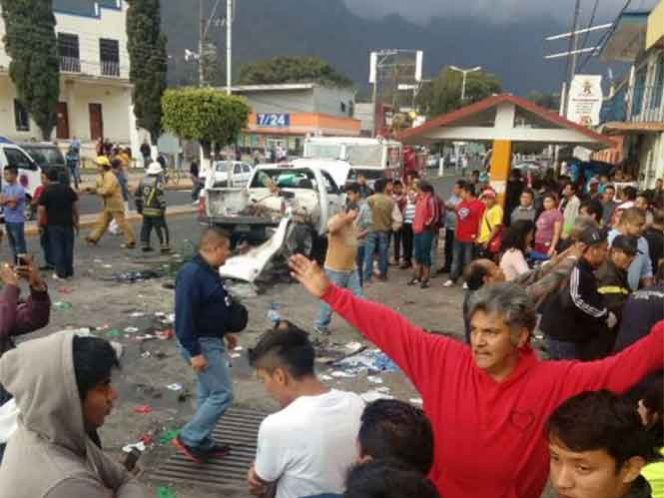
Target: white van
29,172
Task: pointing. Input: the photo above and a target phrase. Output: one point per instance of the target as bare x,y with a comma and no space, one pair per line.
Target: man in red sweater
489,403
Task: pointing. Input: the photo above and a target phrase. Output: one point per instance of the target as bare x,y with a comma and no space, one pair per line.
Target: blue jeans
74,174
43,241
561,350
462,255
346,280
380,240
214,394
61,248
16,237
359,261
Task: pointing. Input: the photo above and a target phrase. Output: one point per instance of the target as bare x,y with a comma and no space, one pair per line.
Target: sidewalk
88,220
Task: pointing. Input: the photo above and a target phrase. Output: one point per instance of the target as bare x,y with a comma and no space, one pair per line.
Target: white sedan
230,174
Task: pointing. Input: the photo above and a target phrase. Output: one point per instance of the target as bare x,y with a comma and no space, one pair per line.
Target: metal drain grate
239,428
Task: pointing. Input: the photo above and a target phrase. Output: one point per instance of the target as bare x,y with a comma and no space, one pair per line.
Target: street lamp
465,73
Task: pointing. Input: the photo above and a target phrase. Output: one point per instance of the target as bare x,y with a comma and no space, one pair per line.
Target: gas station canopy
504,118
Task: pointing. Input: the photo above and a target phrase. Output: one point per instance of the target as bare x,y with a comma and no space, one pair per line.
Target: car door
238,178
246,173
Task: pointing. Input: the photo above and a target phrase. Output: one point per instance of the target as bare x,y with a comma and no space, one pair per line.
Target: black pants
159,225
359,260
449,249
61,249
398,237
407,242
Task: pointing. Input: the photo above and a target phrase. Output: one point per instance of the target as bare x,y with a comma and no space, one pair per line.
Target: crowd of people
499,419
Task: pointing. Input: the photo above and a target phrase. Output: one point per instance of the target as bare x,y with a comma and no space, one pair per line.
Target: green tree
31,43
443,94
547,100
206,115
149,63
292,70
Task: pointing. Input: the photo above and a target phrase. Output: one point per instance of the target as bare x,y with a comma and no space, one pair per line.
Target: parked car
29,172
229,174
48,156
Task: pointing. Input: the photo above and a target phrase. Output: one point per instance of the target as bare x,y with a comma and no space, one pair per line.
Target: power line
606,35
590,23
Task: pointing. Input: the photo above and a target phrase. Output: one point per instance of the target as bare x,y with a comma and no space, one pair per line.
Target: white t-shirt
513,264
309,445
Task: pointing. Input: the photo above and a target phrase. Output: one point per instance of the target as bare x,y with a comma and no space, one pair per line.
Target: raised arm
418,353
621,371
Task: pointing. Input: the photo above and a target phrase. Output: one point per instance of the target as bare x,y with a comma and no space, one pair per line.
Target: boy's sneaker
449,283
193,454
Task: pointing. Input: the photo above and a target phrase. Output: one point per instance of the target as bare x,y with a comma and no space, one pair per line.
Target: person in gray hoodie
62,387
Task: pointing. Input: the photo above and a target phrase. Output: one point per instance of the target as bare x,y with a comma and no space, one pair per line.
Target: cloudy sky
496,10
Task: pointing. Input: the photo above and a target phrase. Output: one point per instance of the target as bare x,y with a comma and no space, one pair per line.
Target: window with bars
109,55
21,116
69,52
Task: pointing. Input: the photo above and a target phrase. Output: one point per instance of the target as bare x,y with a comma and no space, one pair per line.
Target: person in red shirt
425,223
488,403
469,214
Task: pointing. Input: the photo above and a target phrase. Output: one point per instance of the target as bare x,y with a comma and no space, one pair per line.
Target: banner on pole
585,99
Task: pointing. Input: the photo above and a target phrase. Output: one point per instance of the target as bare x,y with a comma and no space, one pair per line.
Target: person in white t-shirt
306,448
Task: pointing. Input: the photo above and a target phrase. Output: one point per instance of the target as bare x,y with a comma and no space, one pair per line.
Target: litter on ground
370,396
174,387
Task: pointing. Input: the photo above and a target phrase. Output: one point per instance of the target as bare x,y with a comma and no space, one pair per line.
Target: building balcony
110,68
70,64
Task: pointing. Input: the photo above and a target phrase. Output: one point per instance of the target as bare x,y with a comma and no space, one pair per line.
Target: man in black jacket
575,319
612,276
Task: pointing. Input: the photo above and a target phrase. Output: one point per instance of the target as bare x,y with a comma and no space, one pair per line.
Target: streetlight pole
229,46
465,73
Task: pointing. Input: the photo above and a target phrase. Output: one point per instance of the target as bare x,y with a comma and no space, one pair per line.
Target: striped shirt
409,213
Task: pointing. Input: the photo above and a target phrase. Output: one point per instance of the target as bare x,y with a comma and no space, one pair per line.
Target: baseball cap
592,236
488,192
625,243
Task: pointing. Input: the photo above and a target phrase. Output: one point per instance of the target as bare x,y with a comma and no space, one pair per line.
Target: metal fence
70,64
110,68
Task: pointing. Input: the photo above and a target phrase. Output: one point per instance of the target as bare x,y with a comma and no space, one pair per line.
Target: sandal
413,281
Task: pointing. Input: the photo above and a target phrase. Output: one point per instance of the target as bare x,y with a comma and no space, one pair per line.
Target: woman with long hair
516,243
549,226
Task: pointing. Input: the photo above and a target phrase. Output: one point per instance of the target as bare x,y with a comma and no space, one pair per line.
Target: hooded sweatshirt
50,455
489,436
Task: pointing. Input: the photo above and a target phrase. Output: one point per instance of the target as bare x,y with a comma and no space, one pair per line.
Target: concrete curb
88,220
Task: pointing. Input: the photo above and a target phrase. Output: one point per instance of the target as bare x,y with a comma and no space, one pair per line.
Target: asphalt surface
90,204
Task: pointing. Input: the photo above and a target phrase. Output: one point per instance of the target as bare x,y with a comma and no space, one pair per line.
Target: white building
95,92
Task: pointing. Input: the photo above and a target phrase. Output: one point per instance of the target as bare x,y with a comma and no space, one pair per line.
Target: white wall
110,24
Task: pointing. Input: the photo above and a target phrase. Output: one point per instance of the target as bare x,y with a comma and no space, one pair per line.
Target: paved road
91,204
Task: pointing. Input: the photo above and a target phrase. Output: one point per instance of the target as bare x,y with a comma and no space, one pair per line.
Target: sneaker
218,450
413,281
55,277
424,285
322,331
465,286
194,454
449,283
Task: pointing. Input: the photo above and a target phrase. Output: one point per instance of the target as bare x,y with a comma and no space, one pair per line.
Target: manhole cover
239,428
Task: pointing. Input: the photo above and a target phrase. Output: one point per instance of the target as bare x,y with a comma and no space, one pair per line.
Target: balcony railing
648,104
110,68
70,64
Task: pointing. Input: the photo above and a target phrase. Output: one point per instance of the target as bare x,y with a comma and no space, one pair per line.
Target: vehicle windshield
292,179
365,155
46,156
222,166
322,151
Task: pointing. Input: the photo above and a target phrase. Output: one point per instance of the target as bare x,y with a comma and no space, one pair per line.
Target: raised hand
309,274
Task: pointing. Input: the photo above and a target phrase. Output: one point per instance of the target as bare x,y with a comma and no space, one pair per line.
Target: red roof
553,117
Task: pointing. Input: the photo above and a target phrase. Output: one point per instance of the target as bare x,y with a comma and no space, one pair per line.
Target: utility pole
201,35
574,54
229,45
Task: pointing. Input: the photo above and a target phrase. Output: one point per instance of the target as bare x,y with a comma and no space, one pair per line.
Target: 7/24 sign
273,120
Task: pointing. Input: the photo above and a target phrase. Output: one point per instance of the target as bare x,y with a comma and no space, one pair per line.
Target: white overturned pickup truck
302,196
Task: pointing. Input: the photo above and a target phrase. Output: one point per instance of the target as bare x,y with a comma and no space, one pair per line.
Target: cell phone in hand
22,260
132,459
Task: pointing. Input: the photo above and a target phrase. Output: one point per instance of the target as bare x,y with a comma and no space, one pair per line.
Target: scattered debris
165,335
106,326
143,409
137,314
342,375
146,354
62,306
174,387
113,333
132,277
165,492
131,330
65,290
235,355
273,313
140,446
373,361
374,379
325,377
353,346
416,401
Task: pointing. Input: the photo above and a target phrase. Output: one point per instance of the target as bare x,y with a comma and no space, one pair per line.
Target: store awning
621,128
